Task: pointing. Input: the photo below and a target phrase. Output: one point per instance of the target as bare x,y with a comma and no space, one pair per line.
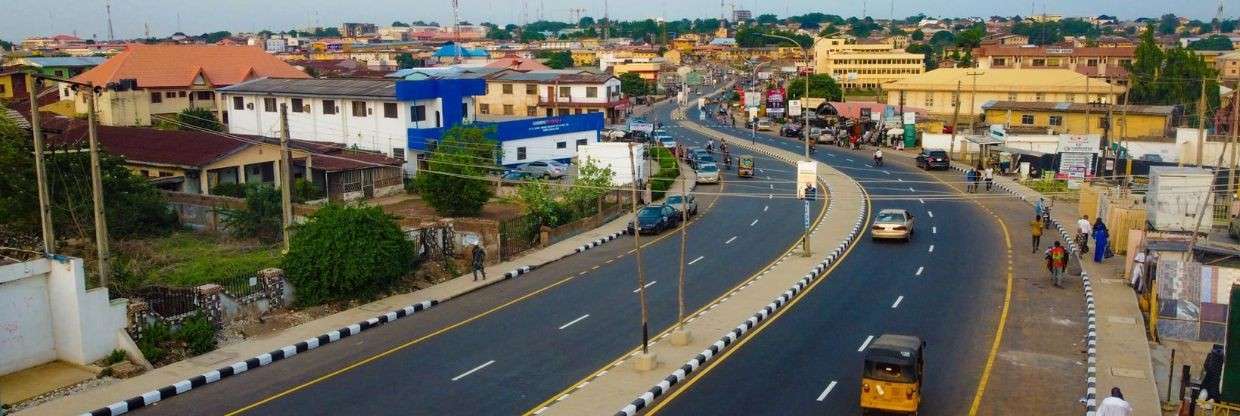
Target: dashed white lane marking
570,323
921,200
866,343
830,386
755,221
930,213
932,248
652,282
696,260
770,196
463,375
869,165
910,189
772,186
730,240
886,172
764,208
900,179
934,230
849,160
919,270
893,305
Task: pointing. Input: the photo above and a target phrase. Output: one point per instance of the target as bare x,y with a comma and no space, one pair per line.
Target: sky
24,18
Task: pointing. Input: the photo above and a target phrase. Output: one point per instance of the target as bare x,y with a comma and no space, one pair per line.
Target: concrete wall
47,314
374,131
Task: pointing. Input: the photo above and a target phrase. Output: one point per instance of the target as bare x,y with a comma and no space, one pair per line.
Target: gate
517,235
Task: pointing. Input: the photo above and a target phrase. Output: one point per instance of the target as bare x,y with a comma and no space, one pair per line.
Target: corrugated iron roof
327,87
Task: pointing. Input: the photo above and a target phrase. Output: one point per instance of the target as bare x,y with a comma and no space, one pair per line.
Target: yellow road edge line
822,213
761,326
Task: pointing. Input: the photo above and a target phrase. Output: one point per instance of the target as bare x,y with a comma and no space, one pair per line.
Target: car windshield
709,168
649,213
674,199
890,217
938,153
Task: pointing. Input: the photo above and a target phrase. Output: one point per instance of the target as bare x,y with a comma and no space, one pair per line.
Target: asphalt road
507,347
946,286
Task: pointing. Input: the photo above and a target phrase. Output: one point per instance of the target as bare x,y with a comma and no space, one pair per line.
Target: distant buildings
353,30
60,66
864,64
552,93
1130,122
1107,64
742,15
935,89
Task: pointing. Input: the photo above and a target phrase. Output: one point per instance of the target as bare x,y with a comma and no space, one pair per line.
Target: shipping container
1176,197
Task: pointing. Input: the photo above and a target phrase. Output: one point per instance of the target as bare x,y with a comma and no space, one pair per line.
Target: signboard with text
807,176
794,108
1079,143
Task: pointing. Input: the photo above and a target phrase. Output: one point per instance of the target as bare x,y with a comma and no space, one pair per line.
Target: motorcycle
878,161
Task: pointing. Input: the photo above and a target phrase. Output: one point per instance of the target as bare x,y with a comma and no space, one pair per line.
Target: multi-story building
1128,122
934,90
1006,39
148,81
60,66
1106,64
353,30
552,93
741,15
862,64
1228,66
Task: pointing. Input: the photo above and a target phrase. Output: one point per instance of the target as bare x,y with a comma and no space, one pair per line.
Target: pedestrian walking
479,263
1057,262
971,177
1138,271
1083,228
989,175
1114,405
1036,231
1100,240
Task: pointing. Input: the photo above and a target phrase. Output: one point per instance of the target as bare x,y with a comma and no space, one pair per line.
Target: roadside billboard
1079,143
807,176
794,108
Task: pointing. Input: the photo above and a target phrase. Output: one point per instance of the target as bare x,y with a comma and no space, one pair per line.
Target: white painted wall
616,157
544,148
577,92
371,132
47,314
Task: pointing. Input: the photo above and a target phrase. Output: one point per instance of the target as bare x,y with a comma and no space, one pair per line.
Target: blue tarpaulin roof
449,51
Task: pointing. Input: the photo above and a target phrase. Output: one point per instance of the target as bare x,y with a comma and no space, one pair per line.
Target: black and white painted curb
681,374
180,387
600,241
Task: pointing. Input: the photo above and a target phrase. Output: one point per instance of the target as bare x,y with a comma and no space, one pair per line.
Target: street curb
180,387
682,373
600,241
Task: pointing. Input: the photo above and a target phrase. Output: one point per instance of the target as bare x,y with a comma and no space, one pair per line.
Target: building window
999,62
1026,119
417,113
561,145
398,153
181,94
3,89
508,109
520,153
1091,62
507,88
1011,96
581,142
576,111
329,106
170,94
297,105
238,103
1070,98
531,111
157,98
562,112
206,95
389,110
1039,62
144,172
1056,120
591,92
531,89
269,104
565,92
464,111
929,100
359,109
484,108
1038,96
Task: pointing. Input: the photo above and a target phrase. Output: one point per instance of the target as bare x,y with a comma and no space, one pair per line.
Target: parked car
637,136
892,223
654,218
683,204
546,169
790,130
815,132
707,172
764,124
933,159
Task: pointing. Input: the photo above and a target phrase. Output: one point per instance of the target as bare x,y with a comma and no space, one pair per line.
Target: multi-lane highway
508,347
946,285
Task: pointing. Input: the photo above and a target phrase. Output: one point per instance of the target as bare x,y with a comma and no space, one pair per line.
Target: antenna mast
456,28
108,7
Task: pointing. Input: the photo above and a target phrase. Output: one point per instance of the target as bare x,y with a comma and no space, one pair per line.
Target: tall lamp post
804,130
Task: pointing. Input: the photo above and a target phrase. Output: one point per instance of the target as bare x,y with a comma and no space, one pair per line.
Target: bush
198,334
304,190
154,337
115,357
261,218
235,190
668,171
345,252
455,181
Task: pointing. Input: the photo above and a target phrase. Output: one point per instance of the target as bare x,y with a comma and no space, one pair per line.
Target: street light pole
804,132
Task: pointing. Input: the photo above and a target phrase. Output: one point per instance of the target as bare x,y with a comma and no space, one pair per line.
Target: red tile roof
190,149
517,63
176,66
1016,50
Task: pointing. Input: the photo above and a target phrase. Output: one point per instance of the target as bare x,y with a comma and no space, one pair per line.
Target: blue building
546,138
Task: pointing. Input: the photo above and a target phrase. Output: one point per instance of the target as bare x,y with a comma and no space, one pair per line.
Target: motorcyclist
878,157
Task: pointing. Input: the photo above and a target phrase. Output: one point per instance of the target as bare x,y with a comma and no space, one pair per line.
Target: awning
983,140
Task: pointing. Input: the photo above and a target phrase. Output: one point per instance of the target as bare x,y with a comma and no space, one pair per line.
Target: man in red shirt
1057,262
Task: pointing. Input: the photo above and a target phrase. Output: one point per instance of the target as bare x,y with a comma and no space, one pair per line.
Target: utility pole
1107,129
40,169
96,181
1235,119
1088,104
1201,124
973,102
680,337
108,7
951,152
1123,135
637,249
286,178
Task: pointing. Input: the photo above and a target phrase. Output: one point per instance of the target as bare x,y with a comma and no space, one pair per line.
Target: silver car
546,169
892,223
707,173
682,204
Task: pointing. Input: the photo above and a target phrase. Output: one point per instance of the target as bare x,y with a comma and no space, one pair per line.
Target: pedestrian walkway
86,401
617,385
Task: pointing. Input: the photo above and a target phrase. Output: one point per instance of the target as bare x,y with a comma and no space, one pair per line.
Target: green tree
1171,77
6,45
215,36
632,84
1212,43
399,24
970,38
454,182
918,35
528,35
767,19
1167,24
498,34
329,32
560,60
261,218
592,182
585,21
820,86
405,60
346,252
132,205
198,117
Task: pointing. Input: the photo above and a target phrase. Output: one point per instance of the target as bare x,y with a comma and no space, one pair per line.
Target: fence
517,235
590,216
220,302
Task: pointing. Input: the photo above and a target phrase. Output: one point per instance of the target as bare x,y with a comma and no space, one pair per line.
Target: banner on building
1079,143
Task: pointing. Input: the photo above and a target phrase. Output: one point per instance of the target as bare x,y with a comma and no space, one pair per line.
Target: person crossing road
1057,262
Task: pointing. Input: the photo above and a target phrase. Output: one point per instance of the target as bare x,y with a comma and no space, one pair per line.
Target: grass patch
191,259
668,171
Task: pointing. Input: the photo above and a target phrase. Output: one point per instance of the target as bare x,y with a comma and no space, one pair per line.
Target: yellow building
1129,122
933,90
686,42
865,65
12,85
1228,66
584,57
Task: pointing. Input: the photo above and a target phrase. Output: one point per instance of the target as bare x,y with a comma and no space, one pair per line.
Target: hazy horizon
27,18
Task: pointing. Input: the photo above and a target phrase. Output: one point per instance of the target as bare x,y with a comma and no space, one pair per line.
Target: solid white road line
652,282
570,323
866,343
869,165
696,260
755,221
930,213
772,186
730,240
932,248
919,270
473,370
830,386
893,306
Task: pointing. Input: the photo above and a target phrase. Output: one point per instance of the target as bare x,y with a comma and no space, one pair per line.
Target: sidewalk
1121,353
618,385
86,401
